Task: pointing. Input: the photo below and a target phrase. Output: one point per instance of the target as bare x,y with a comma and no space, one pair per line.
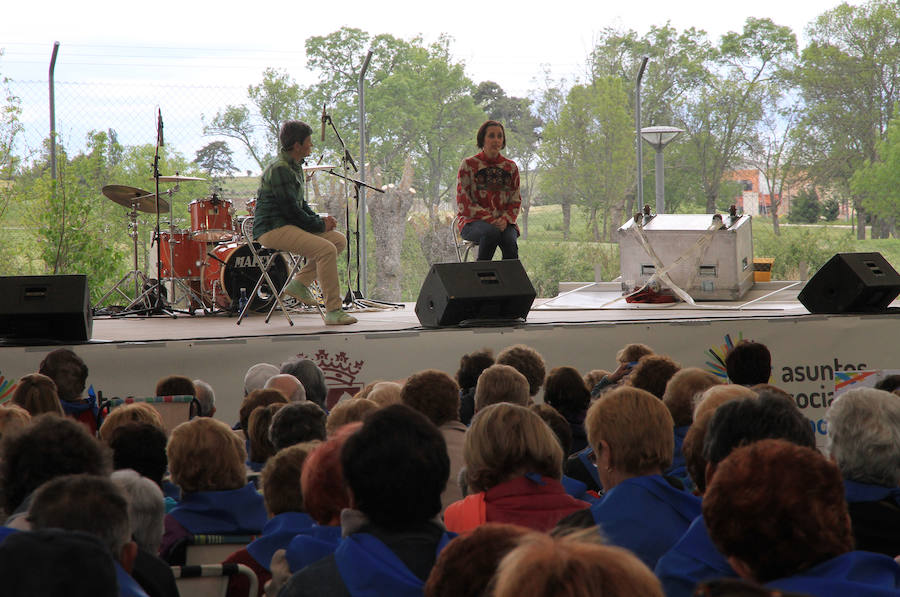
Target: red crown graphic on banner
340,373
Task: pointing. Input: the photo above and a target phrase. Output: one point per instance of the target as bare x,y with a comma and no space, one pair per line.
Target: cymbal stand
354,297
140,278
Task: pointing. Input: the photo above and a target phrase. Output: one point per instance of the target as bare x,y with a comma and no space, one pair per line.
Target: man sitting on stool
284,221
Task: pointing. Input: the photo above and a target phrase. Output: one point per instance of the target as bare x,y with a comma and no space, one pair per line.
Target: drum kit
211,262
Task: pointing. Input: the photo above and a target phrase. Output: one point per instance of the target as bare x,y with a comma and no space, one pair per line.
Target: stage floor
578,303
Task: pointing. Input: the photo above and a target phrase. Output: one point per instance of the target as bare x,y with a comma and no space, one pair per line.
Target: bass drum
230,267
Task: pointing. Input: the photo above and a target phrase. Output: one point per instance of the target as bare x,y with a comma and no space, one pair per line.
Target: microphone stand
354,298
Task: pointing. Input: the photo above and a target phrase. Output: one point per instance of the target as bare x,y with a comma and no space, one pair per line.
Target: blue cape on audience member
856,573
578,490
277,534
679,467
311,545
692,560
128,587
232,512
370,569
646,515
855,491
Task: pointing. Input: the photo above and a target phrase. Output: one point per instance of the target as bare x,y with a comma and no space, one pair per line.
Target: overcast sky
506,42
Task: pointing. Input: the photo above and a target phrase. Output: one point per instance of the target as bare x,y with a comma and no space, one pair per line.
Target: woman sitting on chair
487,196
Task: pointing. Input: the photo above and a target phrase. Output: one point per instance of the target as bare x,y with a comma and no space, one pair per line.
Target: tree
806,208
877,183
849,82
214,158
721,117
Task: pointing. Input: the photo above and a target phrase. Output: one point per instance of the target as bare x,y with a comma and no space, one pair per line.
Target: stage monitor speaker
40,308
852,283
475,293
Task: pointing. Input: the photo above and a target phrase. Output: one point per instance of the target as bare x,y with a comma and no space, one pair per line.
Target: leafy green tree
849,83
877,183
215,159
806,208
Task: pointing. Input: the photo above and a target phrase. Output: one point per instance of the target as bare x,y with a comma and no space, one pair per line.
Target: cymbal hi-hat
135,198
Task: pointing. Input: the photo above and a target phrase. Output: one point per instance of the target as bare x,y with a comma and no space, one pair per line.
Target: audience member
436,395
593,377
206,460
312,378
681,390
748,363
738,422
864,441
777,512
136,412
351,410
296,423
36,393
501,383
95,505
142,447
385,393
261,448
206,397
396,467
145,513
563,432
57,562
627,357
889,384
288,385
468,564
652,373
280,485
257,398
565,391
573,566
526,361
325,496
514,464
13,418
630,431
69,373
175,385
470,367
716,396
257,376
51,446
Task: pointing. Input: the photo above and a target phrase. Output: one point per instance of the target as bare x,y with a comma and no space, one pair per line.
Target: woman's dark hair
471,365
565,391
482,131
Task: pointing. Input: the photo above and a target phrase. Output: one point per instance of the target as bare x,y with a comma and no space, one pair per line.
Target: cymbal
318,167
178,178
135,198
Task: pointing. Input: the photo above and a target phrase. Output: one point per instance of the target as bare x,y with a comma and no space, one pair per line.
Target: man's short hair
146,508
295,423
52,446
566,391
67,370
280,479
287,384
748,363
293,131
434,394
742,422
142,448
56,562
681,390
396,467
526,361
311,376
206,396
93,504
257,376
471,365
652,373
175,385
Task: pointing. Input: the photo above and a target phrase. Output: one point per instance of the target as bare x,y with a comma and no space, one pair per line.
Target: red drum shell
187,254
211,220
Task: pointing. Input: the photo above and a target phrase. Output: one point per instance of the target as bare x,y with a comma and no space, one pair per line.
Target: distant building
756,198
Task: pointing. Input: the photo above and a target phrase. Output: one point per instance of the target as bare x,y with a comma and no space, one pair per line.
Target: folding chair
463,246
264,266
297,262
211,580
174,410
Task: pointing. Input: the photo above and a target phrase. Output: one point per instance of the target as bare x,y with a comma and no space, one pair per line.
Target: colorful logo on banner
718,354
340,374
7,386
846,380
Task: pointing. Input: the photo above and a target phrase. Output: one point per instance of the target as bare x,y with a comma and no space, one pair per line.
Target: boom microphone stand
354,298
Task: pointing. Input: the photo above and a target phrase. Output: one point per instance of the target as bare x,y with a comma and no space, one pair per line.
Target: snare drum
230,267
211,219
186,254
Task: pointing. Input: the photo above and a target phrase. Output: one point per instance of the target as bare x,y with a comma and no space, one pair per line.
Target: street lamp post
658,137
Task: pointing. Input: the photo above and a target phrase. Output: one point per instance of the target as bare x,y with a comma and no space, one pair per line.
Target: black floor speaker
475,293
45,308
852,283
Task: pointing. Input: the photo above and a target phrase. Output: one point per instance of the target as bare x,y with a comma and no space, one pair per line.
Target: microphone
159,124
324,116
